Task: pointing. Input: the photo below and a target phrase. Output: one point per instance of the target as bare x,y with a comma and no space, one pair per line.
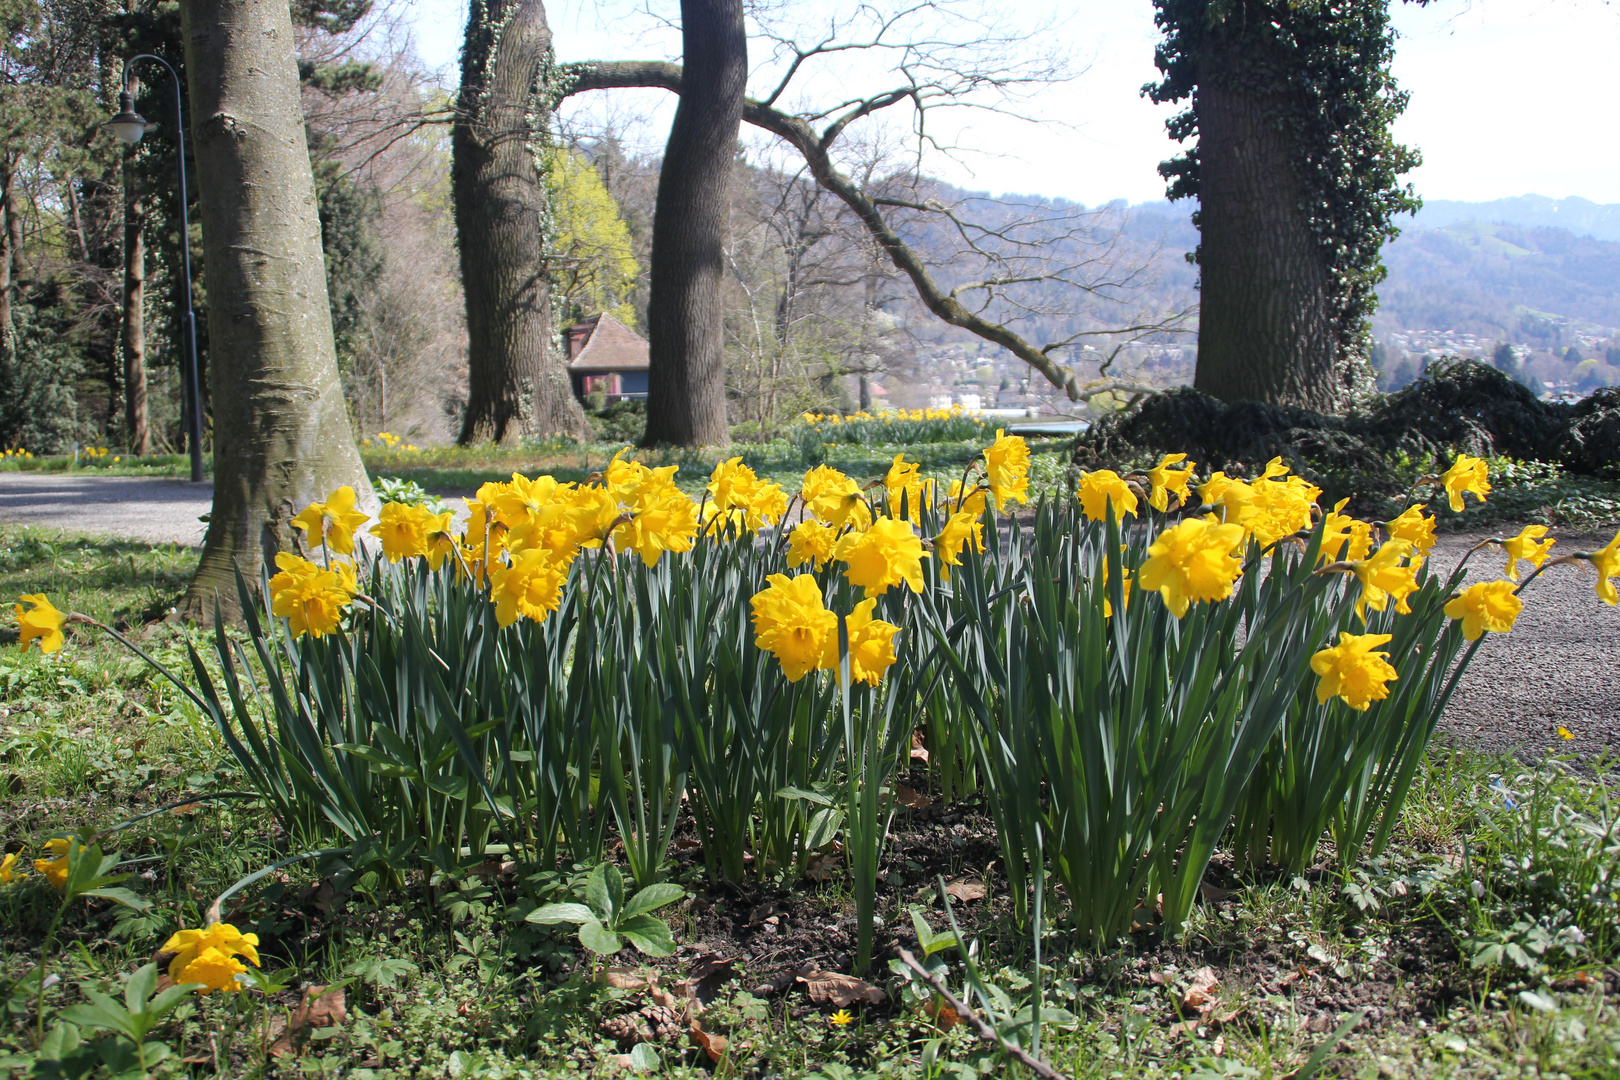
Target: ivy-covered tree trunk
10,244
1297,179
136,427
516,383
686,392
282,437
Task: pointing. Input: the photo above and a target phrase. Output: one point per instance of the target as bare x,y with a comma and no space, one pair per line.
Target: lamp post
128,126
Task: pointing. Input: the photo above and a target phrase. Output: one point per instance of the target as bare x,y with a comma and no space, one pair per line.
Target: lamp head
128,126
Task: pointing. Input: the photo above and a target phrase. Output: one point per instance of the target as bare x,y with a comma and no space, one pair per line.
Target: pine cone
625,1030
667,1022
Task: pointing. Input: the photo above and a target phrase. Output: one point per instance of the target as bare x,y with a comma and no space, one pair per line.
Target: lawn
1479,944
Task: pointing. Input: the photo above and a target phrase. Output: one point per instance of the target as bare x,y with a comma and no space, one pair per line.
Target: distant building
606,357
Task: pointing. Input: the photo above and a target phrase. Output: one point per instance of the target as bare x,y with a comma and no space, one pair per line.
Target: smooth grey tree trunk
282,436
1266,330
516,383
686,393
134,330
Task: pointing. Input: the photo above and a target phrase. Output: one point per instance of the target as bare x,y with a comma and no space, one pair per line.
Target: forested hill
1581,217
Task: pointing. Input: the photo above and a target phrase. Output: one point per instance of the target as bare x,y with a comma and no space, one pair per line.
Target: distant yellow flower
792,623
1344,537
1528,547
8,869
333,521
1192,561
310,597
1467,476
1564,733
669,524
1485,605
811,542
834,498
886,554
1006,467
841,1018
55,869
1352,671
42,621
961,529
1607,561
531,587
1414,528
402,530
1098,489
210,956
1384,576
871,645
1166,481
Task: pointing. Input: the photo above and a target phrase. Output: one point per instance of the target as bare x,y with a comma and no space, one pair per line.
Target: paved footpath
1560,665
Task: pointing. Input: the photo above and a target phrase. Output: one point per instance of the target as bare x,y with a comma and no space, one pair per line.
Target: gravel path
1560,665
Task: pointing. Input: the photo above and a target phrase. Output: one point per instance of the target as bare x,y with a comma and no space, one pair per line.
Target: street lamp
128,126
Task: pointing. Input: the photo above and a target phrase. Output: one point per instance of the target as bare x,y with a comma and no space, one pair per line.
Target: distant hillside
1582,217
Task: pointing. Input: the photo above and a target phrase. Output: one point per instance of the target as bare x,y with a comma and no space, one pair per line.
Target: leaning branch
578,78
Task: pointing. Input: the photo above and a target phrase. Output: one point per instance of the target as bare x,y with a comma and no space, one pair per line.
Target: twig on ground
975,1021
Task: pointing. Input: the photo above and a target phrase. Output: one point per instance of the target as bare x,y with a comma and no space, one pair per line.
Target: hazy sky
1509,97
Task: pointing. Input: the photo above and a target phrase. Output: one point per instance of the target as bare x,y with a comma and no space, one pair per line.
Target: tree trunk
281,429
1266,330
8,218
516,384
135,424
686,392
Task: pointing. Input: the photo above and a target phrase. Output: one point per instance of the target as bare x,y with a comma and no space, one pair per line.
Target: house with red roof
606,357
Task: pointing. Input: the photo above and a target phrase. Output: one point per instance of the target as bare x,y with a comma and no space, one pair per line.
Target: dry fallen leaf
1200,993
832,988
622,978
822,867
910,798
964,890
706,975
713,1045
1219,1046
320,1008
943,1016
918,751
1213,894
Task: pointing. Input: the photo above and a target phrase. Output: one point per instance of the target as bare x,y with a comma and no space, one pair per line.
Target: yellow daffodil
1467,476
210,956
55,868
1344,537
1166,481
1227,492
1006,467
8,868
734,486
332,522
402,530
310,597
1528,547
1352,671
792,623
972,501
1607,561
669,524
41,621
1280,505
871,645
1485,605
1192,562
1098,489
834,499
531,587
961,529
1125,589
886,554
1384,575
441,542
811,542
1413,527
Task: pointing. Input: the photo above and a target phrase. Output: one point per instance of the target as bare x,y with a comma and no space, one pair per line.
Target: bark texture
10,249
282,433
686,391
1266,328
134,330
516,383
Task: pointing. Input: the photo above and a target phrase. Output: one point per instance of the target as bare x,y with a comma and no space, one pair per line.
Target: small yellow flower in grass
310,597
1006,467
402,530
886,554
1352,671
811,542
41,621
1098,489
8,869
960,530
210,956
1383,576
1166,481
55,869
792,623
1607,561
1528,547
1414,528
871,645
332,521
1564,733
841,1018
1485,605
1192,562
1467,476
531,587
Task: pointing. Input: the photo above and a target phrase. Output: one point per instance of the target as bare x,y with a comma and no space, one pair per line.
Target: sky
1509,97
